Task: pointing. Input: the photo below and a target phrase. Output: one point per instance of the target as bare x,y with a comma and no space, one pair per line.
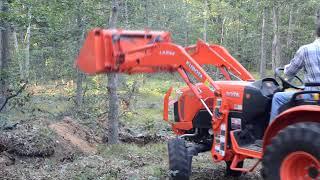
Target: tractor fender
303,113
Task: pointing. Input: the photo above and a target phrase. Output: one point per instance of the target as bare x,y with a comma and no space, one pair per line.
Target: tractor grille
181,105
176,112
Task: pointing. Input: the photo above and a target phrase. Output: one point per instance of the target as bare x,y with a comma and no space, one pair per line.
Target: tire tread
297,137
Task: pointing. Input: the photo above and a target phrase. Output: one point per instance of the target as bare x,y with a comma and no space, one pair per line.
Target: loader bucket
96,53
102,48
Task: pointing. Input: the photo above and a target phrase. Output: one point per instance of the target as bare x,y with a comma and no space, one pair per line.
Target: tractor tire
233,173
293,154
179,159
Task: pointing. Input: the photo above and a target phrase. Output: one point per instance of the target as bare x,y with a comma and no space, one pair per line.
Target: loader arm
122,51
130,52
219,57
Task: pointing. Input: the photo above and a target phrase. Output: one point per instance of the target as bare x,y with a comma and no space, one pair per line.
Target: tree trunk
222,31
186,38
289,37
146,14
278,47
205,22
126,13
186,28
238,36
27,49
318,17
263,45
79,91
238,31
4,50
17,53
113,115
80,75
15,39
275,43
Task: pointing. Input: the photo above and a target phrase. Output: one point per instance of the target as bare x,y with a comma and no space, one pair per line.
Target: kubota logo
233,94
167,53
194,69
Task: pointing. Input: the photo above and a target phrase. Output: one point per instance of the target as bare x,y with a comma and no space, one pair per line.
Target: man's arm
295,64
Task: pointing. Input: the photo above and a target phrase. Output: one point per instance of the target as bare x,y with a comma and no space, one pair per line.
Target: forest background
40,39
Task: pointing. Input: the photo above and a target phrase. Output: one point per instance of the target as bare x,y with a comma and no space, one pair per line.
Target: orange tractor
229,118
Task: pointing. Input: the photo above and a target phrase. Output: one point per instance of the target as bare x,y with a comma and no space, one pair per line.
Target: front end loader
229,117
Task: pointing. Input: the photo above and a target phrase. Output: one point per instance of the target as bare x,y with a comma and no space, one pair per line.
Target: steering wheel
286,83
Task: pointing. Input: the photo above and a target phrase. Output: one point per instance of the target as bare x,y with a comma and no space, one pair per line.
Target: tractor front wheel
294,153
179,159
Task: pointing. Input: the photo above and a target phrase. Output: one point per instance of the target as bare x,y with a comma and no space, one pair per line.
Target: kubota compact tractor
225,117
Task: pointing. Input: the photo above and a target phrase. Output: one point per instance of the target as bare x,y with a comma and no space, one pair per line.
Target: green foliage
56,28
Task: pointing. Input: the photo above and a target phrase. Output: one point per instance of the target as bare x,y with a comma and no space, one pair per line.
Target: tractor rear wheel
294,153
179,159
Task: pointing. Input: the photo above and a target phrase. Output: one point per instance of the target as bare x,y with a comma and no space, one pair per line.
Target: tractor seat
310,98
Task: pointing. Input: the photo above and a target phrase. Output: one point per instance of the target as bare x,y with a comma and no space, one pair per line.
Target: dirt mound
27,140
76,134
131,135
127,136
6,159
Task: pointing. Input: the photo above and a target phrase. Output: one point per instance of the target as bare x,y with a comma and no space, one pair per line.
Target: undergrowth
52,101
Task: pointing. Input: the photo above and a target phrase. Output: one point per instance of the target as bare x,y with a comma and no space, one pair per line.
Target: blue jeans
280,99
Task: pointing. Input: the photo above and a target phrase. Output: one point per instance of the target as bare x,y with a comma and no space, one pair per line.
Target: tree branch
13,95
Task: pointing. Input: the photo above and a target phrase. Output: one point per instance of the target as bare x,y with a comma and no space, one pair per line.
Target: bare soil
74,134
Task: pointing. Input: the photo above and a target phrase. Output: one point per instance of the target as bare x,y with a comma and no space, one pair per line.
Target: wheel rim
300,165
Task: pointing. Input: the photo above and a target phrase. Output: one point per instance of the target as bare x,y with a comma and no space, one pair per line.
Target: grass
140,161
123,161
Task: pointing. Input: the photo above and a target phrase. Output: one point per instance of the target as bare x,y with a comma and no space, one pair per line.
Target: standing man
308,58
